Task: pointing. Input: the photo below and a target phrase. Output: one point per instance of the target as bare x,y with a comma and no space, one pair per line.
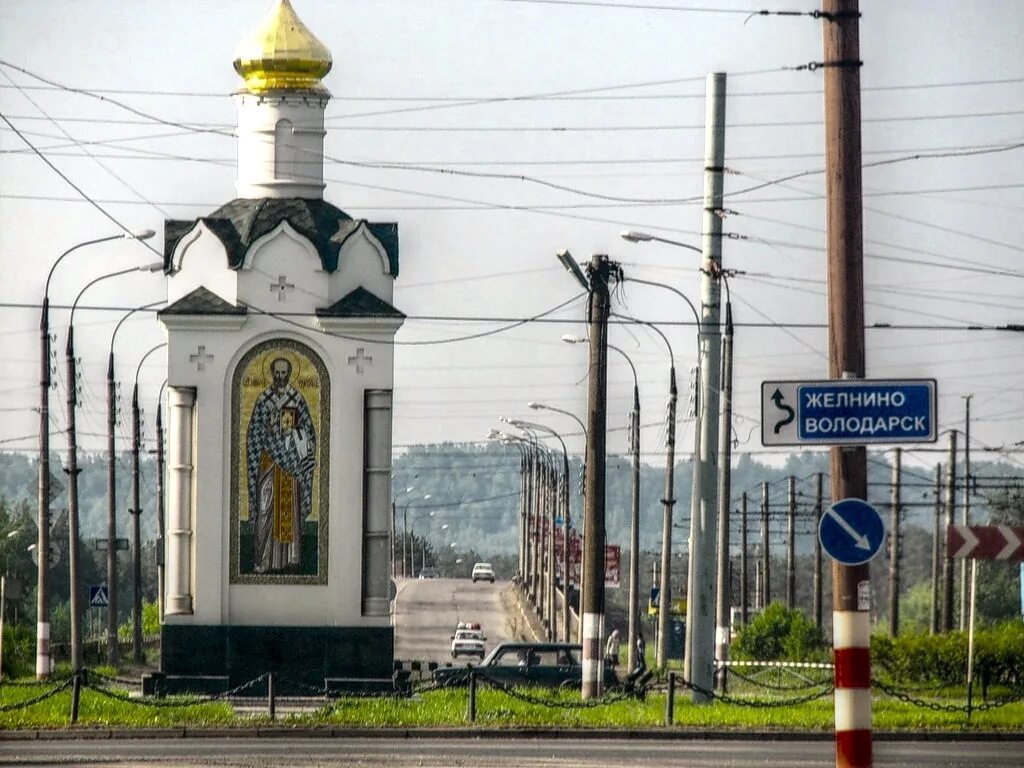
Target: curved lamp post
634,526
43,542
709,497
563,501
112,645
523,448
136,512
72,460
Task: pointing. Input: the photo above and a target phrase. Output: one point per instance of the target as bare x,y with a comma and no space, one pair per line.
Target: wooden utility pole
766,549
791,543
894,544
844,247
599,274
816,585
947,561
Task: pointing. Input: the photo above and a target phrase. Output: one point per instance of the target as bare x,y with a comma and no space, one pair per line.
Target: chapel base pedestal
210,659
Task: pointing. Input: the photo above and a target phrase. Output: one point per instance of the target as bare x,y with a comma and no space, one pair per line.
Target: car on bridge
483,572
548,665
468,640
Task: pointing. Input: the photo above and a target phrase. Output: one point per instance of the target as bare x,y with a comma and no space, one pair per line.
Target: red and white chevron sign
985,542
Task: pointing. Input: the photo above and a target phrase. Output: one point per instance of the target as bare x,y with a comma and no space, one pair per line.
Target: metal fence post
76,694
471,706
271,696
670,700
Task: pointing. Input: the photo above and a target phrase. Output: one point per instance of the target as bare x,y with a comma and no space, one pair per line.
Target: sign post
982,542
848,412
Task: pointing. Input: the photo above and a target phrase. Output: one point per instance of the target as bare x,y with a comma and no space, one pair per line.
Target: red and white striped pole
851,638
845,255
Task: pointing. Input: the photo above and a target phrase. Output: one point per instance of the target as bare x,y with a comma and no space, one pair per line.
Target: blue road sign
98,597
851,531
848,412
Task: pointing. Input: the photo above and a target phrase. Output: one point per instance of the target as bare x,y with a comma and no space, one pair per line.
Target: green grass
495,708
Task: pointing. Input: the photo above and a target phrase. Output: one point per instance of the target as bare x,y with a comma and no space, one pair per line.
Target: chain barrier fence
102,684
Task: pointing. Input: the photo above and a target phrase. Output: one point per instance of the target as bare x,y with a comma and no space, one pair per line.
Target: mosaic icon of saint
281,455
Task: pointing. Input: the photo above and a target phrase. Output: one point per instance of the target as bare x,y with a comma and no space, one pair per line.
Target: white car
468,640
483,572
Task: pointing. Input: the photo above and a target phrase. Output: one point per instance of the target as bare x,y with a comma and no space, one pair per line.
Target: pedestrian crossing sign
98,597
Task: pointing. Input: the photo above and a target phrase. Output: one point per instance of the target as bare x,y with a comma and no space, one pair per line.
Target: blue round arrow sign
851,531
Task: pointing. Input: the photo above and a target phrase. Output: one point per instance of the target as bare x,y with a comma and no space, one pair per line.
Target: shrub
925,658
779,633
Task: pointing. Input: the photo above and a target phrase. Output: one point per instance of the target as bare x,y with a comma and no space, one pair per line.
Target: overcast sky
605,101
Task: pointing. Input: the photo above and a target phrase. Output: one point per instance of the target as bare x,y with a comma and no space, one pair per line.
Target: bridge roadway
427,611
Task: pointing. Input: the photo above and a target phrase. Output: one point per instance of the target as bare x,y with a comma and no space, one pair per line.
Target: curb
647,734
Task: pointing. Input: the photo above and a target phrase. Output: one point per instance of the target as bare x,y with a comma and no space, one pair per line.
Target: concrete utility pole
634,529
43,540
766,551
600,273
791,543
844,237
965,515
937,540
668,503
723,596
947,561
74,602
894,544
816,586
743,560
111,513
704,507
136,513
160,510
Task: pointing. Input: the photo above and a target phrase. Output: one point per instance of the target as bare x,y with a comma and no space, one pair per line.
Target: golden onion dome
282,54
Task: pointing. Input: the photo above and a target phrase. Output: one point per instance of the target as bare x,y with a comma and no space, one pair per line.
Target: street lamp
43,541
564,502
136,512
405,536
112,491
524,497
643,237
710,501
634,526
72,468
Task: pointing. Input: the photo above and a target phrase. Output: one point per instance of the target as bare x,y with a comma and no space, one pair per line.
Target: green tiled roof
242,222
360,303
202,301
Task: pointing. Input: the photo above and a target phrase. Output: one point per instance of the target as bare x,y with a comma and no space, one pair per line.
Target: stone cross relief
282,286
359,358
200,358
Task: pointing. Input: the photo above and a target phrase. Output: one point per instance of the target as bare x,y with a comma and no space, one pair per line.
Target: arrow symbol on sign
1012,542
970,541
777,399
859,540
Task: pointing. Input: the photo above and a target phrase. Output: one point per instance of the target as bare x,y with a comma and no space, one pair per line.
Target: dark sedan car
550,665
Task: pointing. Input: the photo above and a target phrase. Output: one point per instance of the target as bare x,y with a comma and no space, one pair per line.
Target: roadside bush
150,623
779,633
19,651
935,659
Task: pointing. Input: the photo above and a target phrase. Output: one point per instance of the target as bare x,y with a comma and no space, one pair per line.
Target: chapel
280,329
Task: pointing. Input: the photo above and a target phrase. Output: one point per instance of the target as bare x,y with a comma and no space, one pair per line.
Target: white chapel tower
280,374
